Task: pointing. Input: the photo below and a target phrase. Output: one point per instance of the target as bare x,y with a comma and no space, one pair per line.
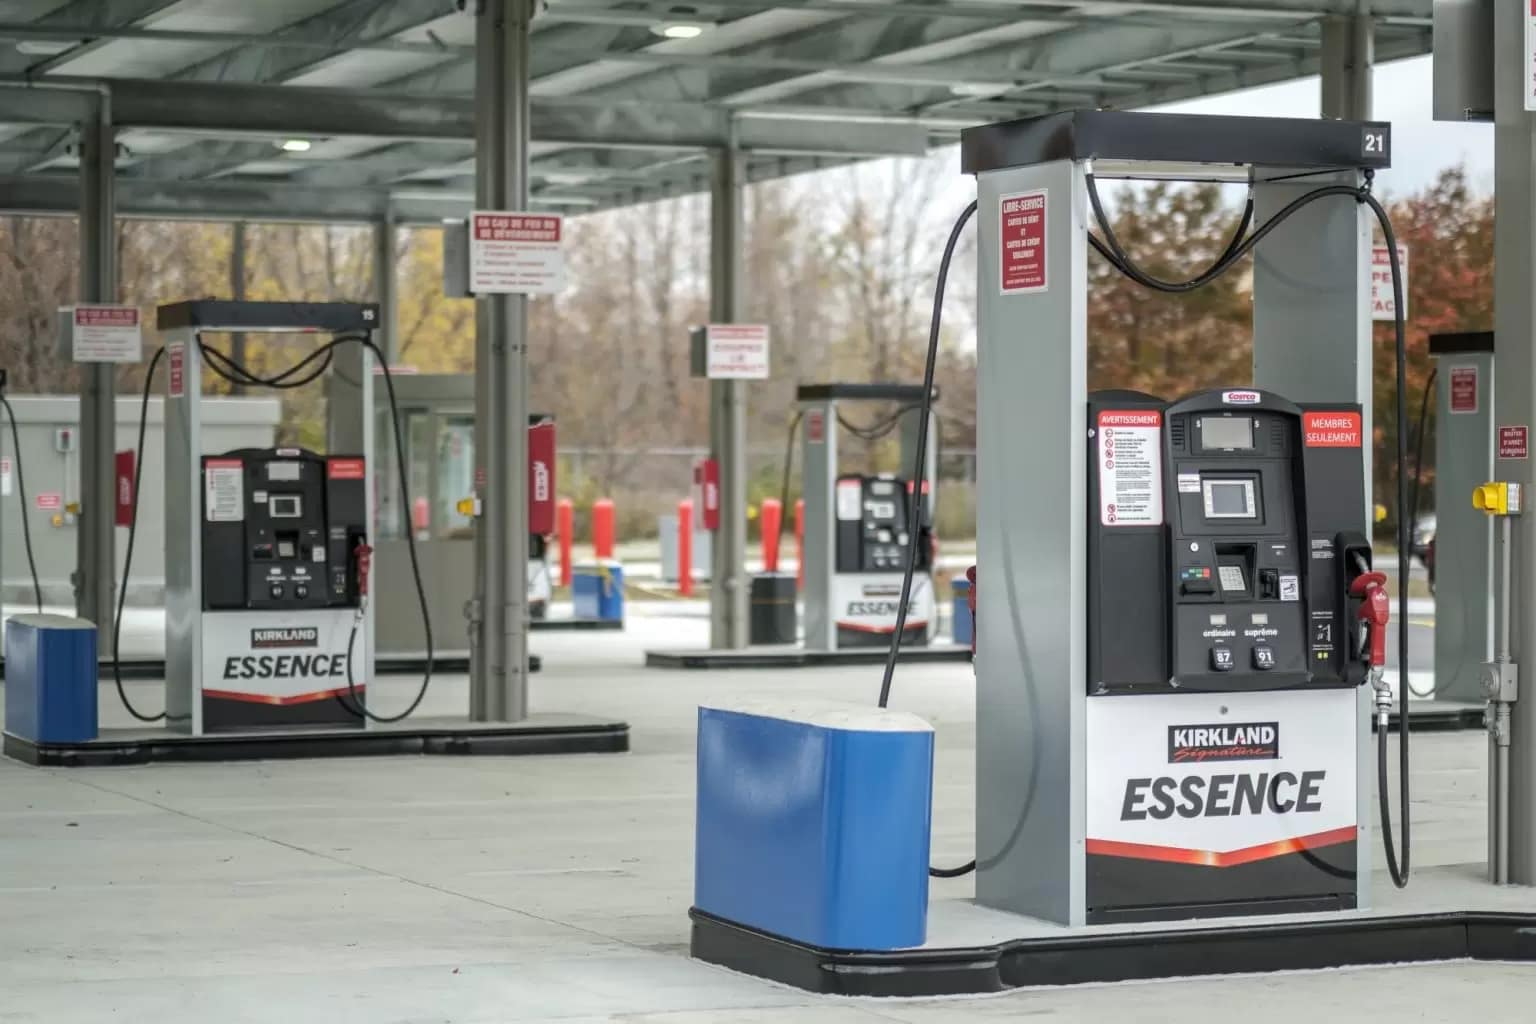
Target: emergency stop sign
1514,442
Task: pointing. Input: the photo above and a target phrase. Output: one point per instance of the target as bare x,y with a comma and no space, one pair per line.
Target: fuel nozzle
362,555
1370,588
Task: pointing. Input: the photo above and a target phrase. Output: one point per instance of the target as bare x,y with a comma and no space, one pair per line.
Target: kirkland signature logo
297,636
1254,741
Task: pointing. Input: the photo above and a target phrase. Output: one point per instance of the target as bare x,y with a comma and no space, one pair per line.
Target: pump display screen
1226,432
285,506
881,509
283,470
1229,499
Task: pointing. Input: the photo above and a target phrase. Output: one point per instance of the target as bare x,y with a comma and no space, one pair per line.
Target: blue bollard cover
960,588
813,822
50,678
597,590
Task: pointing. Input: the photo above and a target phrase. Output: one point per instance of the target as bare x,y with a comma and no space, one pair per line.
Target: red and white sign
224,490
1022,242
124,488
1330,429
1131,467
1241,397
49,501
736,351
1463,389
706,493
541,477
5,477
1515,442
345,469
402,370
516,253
815,426
107,334
1383,306
176,352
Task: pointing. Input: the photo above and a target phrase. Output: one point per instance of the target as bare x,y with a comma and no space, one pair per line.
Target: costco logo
1241,397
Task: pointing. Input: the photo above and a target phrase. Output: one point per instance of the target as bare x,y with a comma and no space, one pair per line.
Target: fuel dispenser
857,532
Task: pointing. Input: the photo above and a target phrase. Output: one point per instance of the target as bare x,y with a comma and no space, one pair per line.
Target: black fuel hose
21,489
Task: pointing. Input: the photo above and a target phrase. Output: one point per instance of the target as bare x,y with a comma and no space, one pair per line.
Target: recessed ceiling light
979,90
45,47
678,29
294,145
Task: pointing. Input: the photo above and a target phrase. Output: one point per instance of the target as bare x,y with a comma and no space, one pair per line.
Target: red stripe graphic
1232,858
859,627
265,698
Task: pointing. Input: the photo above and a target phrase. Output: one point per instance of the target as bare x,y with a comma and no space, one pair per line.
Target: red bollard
800,544
602,527
565,527
772,518
685,548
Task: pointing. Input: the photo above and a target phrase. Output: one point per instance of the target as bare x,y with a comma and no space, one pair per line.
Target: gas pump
858,527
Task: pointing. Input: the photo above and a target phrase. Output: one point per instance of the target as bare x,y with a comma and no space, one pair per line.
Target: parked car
1423,537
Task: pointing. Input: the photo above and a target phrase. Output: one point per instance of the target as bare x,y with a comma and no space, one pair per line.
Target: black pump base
549,734
799,657
1078,958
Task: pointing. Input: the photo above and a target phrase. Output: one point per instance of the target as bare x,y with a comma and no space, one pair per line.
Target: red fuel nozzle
1375,612
364,555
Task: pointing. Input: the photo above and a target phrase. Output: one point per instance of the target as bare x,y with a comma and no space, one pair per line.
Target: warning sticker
1022,241
1131,468
850,500
1290,588
1514,442
5,477
224,490
1189,483
176,351
49,501
1464,389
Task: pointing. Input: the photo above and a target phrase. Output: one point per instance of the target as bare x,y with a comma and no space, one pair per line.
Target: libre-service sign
516,253
106,334
736,351
1383,300
1022,242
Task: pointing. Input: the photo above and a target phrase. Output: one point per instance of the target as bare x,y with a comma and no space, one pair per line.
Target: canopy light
294,145
678,29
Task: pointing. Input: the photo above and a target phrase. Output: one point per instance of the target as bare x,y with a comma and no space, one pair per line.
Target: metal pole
1514,150
499,613
96,565
727,411
1349,50
237,292
385,285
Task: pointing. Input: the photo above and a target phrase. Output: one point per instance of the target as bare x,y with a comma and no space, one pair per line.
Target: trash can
50,678
960,588
772,616
597,590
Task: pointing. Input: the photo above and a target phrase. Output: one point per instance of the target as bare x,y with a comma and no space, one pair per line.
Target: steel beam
385,284
499,646
96,563
104,15
1514,318
1347,56
728,409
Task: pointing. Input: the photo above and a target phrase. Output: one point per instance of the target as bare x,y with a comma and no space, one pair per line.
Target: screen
1226,432
881,509
1228,499
283,470
284,506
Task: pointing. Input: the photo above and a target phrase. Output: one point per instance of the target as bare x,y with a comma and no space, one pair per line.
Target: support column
1514,320
94,576
1349,51
384,285
499,611
237,292
728,411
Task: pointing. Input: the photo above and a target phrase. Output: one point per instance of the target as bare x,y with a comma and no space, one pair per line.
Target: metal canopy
205,93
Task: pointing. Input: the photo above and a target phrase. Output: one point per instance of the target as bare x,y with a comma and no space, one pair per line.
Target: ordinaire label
1463,388
1131,467
1330,429
1220,779
1022,242
224,490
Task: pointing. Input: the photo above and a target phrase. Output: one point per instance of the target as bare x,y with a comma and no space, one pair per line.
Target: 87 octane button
1221,659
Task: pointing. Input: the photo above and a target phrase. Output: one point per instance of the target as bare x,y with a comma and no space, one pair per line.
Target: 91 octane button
1263,657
